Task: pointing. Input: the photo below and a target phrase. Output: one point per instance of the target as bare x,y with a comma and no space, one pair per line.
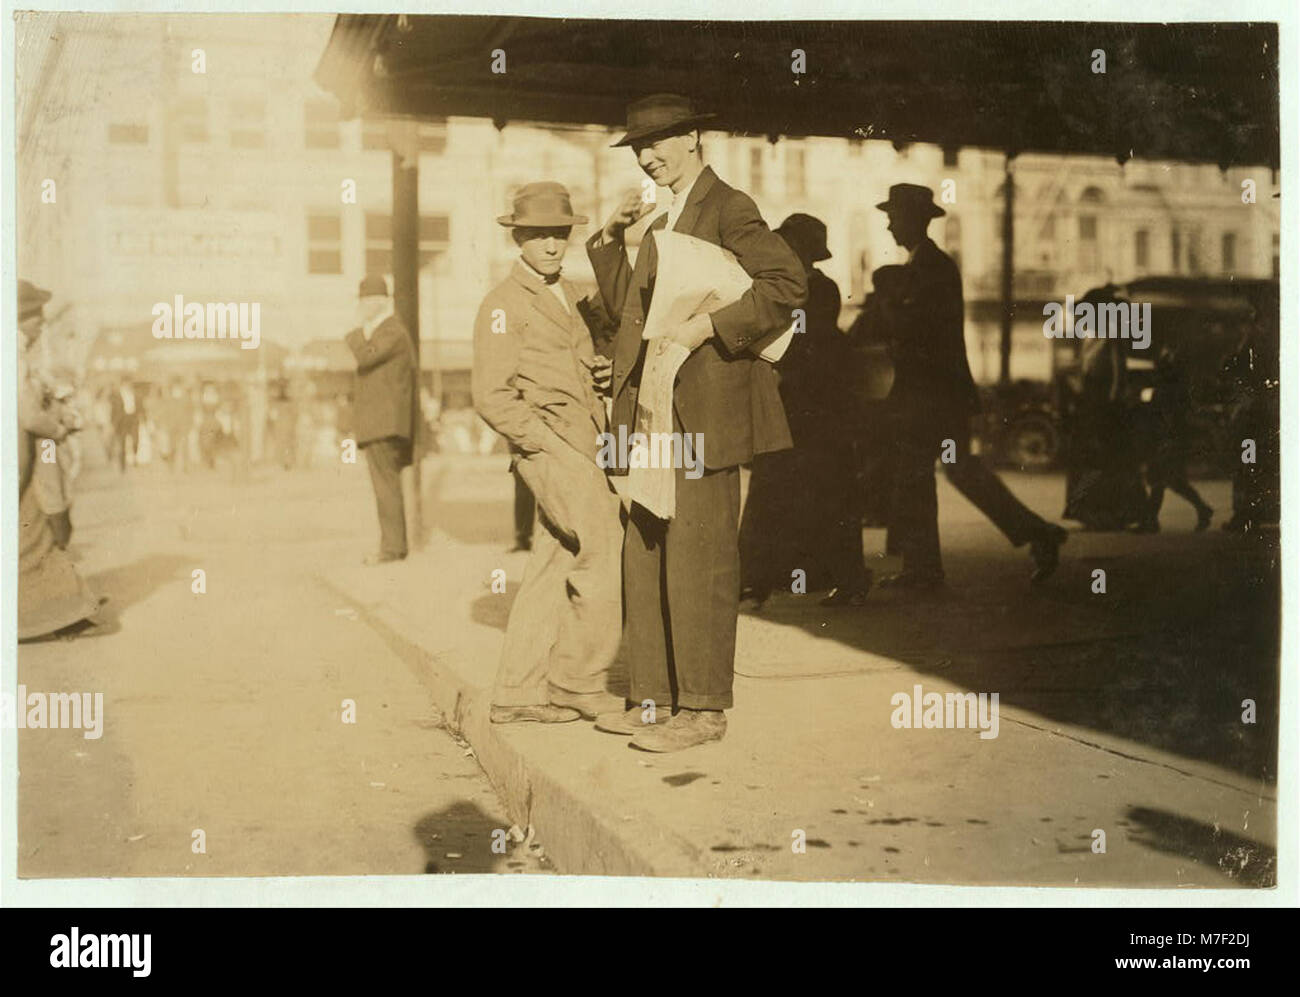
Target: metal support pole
1008,271
406,292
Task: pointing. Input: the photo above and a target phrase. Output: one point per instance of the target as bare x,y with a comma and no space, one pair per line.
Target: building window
1194,253
796,182
1229,252
1176,251
1142,248
321,124
756,171
248,124
1088,243
379,243
1277,257
324,242
950,155
192,120
435,236
432,136
122,133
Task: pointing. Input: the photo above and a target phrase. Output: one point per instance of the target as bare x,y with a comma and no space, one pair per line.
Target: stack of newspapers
694,277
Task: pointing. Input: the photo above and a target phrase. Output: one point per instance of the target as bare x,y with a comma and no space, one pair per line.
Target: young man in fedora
932,401
682,578
383,408
535,382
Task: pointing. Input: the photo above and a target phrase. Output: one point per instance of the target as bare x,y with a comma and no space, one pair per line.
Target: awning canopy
1194,92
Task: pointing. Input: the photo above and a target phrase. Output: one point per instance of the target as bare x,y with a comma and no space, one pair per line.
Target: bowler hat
373,285
657,115
808,232
912,197
31,299
542,205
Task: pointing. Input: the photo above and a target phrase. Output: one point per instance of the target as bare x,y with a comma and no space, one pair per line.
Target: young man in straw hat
534,382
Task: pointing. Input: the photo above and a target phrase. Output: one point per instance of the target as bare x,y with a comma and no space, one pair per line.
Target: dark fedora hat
808,232
657,115
31,299
912,197
544,204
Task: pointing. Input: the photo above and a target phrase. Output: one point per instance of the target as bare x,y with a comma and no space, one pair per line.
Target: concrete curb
579,834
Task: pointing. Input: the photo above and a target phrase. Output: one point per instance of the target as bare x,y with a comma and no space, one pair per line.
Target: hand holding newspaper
693,277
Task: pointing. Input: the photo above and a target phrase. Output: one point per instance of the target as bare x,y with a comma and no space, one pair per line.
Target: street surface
224,710
1120,712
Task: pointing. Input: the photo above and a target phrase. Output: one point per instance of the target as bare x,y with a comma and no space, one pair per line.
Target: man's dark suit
681,580
384,419
932,400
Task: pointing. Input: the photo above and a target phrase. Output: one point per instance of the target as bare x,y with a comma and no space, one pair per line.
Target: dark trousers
681,588
525,512
915,517
386,458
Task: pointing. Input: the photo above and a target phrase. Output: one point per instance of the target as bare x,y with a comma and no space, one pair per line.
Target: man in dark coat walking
681,578
383,408
933,399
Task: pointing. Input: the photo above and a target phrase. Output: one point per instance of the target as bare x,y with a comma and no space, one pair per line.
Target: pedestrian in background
932,401
52,597
1169,414
383,408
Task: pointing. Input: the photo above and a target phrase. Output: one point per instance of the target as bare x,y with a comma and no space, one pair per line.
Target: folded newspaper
693,277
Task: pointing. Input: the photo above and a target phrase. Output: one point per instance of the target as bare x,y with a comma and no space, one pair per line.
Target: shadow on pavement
128,584
1186,631
462,838
1241,859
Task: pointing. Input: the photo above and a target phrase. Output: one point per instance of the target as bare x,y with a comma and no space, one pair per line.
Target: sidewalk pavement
1120,713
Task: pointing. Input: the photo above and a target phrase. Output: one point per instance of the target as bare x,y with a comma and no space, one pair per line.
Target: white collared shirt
554,287
679,202
368,328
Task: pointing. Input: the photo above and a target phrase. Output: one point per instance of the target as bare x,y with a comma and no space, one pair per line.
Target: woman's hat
542,205
657,115
807,232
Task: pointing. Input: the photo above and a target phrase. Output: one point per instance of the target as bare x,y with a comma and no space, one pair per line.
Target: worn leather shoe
630,721
686,729
542,713
1046,552
589,704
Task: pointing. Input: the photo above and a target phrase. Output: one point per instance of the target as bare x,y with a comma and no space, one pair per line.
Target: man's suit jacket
528,382
383,403
926,315
722,391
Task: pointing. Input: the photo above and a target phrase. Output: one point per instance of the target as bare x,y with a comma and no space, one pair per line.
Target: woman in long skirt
52,597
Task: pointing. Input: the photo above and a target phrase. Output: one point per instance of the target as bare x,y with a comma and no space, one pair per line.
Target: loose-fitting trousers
681,582
915,517
386,458
566,622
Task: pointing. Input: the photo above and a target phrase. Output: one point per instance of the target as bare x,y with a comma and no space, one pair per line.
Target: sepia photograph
809,450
